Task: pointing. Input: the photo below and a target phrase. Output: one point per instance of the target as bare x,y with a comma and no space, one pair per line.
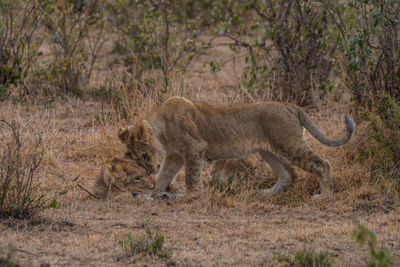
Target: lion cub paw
267,192
142,197
321,197
167,195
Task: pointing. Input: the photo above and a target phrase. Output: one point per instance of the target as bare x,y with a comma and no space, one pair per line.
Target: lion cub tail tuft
307,123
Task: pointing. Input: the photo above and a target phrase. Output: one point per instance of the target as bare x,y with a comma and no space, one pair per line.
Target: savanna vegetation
73,71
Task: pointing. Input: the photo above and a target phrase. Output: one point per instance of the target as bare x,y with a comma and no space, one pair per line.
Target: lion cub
224,170
122,175
189,134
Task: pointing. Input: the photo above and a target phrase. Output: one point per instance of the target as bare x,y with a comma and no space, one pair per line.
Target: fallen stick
25,251
87,191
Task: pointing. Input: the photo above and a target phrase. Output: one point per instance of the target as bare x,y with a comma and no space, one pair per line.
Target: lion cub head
122,175
141,141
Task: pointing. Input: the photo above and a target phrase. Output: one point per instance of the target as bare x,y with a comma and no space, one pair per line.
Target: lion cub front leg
172,165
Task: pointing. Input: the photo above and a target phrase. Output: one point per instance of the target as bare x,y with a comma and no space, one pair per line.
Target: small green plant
307,258
7,259
377,257
149,244
311,258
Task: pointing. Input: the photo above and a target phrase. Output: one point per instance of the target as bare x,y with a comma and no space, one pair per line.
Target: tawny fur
223,170
122,174
189,134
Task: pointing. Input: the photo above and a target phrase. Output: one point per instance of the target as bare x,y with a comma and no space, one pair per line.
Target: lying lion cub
122,175
125,175
189,134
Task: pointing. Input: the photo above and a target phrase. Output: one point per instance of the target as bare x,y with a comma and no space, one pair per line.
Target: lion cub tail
307,123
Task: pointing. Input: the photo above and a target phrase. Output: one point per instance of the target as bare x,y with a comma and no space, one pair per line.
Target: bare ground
211,230
87,233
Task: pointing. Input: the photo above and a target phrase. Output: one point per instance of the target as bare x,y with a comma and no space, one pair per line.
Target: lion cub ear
145,130
123,135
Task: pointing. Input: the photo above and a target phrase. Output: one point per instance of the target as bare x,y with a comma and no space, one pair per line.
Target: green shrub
75,29
377,257
370,43
148,244
381,146
290,48
158,37
307,258
310,258
8,260
19,22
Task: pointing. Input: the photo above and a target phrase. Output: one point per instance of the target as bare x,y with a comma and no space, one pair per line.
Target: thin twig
26,252
87,191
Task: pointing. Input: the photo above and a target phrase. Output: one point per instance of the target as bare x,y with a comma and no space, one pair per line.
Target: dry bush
381,149
297,50
19,23
21,153
75,37
157,38
288,48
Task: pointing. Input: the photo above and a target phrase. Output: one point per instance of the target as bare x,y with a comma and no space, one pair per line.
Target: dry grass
243,228
215,228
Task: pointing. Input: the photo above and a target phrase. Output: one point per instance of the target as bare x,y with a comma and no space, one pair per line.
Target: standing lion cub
189,134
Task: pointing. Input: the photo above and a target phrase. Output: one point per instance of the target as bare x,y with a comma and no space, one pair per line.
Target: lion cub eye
145,156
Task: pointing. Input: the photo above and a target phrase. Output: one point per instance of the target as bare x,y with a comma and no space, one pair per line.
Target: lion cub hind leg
194,162
194,159
193,170
305,159
284,170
